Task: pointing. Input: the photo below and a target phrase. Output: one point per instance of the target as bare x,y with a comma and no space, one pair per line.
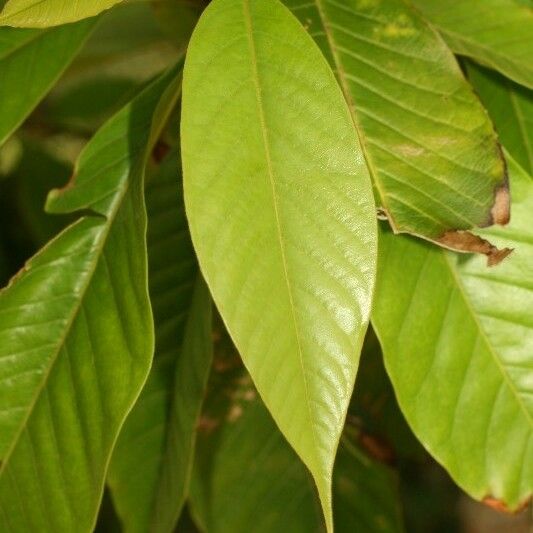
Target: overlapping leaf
45,13
496,33
31,61
151,464
429,145
280,207
457,339
511,109
76,336
247,478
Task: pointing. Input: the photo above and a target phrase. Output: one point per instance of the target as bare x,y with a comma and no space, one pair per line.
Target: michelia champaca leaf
151,464
31,61
510,107
255,468
457,339
45,13
495,33
281,213
429,145
75,349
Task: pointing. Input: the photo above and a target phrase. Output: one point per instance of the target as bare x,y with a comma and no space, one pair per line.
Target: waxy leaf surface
282,218
76,332
247,478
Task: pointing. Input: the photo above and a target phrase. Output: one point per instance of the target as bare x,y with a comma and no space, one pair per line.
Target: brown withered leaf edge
465,241
500,506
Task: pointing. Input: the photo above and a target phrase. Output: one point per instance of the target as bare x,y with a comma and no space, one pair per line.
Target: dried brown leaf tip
464,241
500,506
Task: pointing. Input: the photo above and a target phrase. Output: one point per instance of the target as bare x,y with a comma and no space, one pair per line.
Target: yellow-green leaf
429,145
282,217
495,33
457,339
45,13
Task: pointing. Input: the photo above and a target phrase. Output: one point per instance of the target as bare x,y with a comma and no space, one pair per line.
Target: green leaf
457,339
45,13
76,342
280,207
510,107
365,493
430,148
247,478
31,61
495,33
151,464
128,43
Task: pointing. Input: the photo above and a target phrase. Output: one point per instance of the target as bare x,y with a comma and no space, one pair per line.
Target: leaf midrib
268,158
96,252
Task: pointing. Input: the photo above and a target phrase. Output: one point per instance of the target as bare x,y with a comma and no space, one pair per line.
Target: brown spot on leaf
500,212
500,506
234,413
206,424
160,150
377,448
464,241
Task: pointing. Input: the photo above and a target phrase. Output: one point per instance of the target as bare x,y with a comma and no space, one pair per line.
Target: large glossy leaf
151,463
457,339
247,478
281,213
428,143
44,13
31,61
76,337
496,33
510,107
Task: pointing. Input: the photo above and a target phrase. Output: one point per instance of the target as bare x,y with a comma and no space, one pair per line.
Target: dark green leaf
496,33
76,342
31,61
151,465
